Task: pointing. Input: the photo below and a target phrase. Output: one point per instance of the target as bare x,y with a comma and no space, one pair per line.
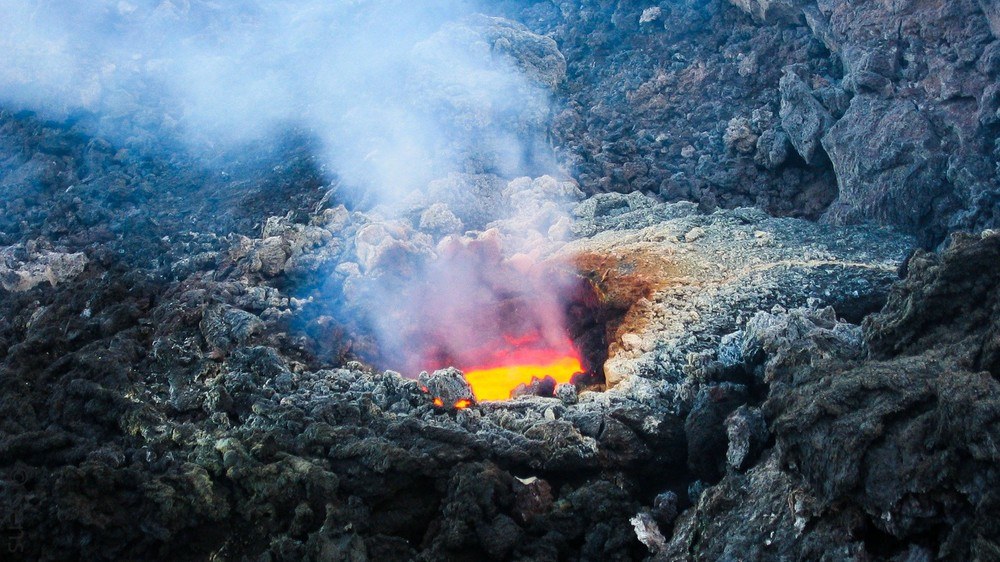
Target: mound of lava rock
883,437
206,404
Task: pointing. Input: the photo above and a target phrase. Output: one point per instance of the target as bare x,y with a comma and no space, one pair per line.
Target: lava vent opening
514,325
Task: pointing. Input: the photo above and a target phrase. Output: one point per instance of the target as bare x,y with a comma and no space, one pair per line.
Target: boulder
22,269
803,117
889,165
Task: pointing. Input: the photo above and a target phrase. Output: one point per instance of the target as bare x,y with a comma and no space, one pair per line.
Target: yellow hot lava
496,383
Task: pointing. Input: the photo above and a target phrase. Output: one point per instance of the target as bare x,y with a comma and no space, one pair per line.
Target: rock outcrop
883,441
902,97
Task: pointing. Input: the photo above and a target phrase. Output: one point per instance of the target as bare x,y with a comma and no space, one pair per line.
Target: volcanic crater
598,280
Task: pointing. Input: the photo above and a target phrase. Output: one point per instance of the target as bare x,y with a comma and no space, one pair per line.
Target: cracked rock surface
880,448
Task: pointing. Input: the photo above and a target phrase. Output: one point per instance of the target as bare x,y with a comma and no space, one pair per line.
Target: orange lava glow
504,322
497,382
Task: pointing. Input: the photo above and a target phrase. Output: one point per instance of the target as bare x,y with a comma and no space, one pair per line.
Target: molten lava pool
497,382
506,323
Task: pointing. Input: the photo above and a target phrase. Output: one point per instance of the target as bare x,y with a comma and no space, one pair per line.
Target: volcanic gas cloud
502,321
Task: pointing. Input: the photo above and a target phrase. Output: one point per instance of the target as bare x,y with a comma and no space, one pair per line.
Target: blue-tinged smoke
399,93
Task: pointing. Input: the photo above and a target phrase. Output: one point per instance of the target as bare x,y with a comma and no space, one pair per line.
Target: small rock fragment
22,269
224,326
567,393
739,136
439,219
649,15
665,508
648,532
747,432
448,388
694,234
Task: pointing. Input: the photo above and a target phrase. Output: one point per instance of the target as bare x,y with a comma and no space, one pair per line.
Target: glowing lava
504,322
497,382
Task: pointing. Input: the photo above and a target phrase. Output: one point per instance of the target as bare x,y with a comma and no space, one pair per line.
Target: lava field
705,280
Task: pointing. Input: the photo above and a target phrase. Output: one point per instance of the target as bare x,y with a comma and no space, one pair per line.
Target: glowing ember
458,405
496,383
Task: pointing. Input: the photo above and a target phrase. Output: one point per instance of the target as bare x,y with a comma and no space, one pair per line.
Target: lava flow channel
496,382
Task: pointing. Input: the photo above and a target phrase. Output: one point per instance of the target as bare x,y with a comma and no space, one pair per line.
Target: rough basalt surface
199,401
685,278
846,111
881,448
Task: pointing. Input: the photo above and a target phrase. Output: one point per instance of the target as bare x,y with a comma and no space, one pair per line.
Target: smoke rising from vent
472,308
413,106
398,93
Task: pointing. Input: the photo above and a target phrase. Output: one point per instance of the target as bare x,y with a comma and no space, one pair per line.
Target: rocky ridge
881,448
839,111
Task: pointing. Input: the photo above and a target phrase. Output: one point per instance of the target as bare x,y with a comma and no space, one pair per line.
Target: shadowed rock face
903,96
889,164
923,311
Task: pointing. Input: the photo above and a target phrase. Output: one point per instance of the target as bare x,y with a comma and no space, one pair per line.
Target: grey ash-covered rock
746,430
23,267
447,386
687,280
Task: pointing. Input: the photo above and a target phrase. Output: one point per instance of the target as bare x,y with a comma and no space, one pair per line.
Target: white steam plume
398,92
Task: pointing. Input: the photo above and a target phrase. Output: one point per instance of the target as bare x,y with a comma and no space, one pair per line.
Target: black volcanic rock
886,455
889,163
648,106
705,428
948,301
803,117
